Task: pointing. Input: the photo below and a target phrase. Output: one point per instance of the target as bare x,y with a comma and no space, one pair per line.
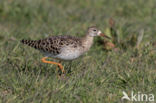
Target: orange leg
50,62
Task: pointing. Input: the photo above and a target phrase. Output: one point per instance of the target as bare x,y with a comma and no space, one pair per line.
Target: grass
100,75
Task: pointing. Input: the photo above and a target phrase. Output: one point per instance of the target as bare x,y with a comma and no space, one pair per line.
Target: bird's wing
54,44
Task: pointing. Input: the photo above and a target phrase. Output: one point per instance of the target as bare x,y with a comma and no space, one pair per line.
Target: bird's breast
68,53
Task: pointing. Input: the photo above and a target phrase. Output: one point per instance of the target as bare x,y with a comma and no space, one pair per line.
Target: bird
64,47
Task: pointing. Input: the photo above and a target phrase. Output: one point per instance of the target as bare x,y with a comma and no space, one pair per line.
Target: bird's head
93,31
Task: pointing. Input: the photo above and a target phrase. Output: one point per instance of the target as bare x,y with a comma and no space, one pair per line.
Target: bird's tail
31,43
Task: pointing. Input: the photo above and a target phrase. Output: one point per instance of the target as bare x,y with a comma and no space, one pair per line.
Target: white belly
69,54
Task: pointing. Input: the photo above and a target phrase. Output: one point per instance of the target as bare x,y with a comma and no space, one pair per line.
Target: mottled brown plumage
54,44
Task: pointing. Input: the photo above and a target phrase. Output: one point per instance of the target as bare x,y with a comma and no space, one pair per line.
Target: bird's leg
50,62
58,68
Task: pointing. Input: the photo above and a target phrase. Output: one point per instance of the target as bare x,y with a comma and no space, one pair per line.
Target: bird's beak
103,35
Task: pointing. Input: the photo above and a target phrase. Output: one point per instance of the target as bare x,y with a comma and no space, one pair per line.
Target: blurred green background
100,75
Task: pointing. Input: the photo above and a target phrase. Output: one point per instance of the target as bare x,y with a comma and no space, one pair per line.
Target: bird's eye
94,30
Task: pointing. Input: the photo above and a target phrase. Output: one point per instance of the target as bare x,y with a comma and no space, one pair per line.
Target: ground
99,76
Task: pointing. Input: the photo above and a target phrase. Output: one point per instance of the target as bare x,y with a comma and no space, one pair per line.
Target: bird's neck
87,42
